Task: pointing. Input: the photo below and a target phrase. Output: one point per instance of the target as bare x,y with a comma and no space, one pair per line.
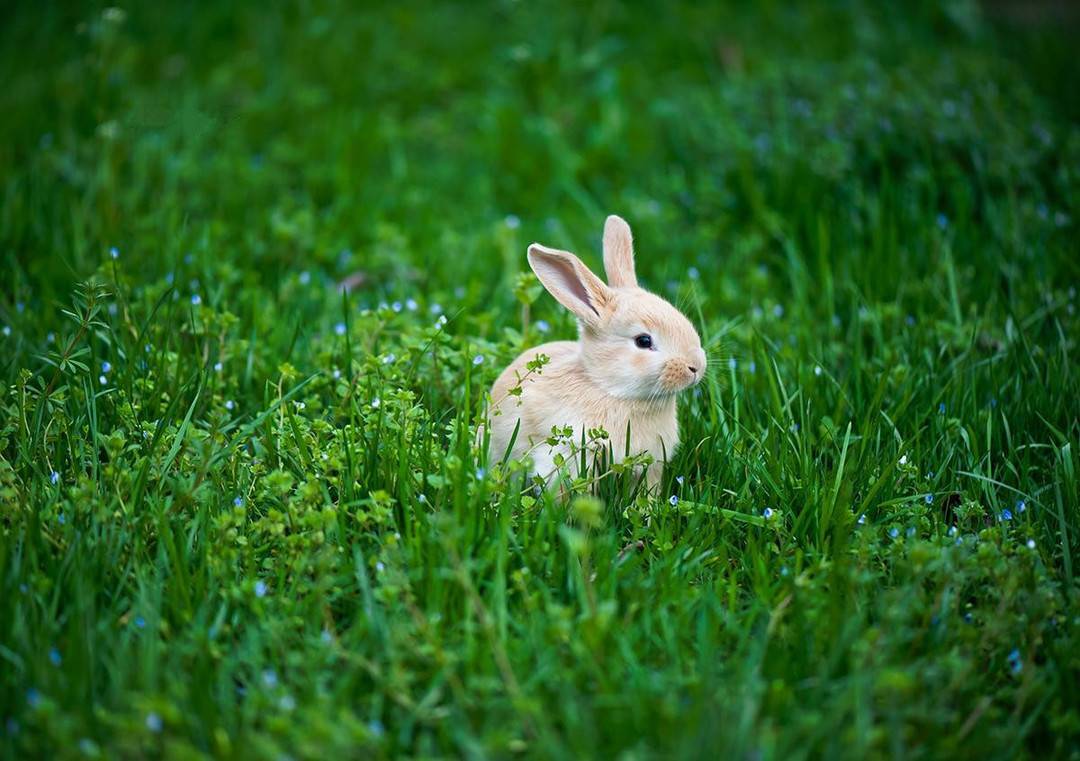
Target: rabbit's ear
571,283
619,253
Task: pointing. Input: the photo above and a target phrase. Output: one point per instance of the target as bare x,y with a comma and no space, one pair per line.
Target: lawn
242,509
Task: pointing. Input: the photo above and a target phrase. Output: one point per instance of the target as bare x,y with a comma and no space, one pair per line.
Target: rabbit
635,352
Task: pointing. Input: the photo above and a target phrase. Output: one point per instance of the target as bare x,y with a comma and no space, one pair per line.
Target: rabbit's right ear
619,253
571,283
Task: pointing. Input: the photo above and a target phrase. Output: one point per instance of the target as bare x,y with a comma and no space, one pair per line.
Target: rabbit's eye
644,341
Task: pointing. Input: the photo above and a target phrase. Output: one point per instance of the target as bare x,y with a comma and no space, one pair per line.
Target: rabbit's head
634,344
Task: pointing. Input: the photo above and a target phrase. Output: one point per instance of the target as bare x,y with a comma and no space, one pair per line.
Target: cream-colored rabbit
634,353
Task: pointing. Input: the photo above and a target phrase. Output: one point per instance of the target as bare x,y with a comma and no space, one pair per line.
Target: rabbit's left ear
619,253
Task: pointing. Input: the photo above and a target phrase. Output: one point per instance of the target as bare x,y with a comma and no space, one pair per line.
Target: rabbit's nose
692,369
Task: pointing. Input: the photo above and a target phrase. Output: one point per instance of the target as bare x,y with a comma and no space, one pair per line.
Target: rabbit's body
562,394
635,352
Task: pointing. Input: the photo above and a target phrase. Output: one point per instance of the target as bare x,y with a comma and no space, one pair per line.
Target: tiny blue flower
1006,514
380,567
260,588
673,500
435,308
326,637
693,273
287,703
114,252
196,299
396,306
105,367
411,304
218,367
909,320
953,530
732,363
862,519
752,367
7,330
679,480
103,380
376,727
512,221
942,221
389,358
140,622
767,513
33,697
269,677
340,328
478,359
1031,544
1015,663
230,404
778,310
929,499
54,477
1021,506
305,277
480,473
941,408
169,278
930,476
54,656
910,532
61,519
238,501
336,374
154,722
894,532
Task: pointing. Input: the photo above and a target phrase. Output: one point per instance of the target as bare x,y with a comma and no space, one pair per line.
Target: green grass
224,546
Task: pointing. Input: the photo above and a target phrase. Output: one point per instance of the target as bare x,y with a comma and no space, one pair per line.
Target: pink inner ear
568,275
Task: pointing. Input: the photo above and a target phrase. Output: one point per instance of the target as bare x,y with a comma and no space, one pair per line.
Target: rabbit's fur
604,379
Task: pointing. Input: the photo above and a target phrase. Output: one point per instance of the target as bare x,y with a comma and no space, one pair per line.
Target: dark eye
644,341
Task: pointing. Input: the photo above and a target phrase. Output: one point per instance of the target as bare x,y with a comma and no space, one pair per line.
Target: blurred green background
241,513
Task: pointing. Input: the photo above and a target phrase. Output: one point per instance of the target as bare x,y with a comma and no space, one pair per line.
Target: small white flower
103,380
300,406
817,369
422,498
1031,544
375,403
218,367
380,567
512,221
229,404
862,519
336,374
441,321
903,460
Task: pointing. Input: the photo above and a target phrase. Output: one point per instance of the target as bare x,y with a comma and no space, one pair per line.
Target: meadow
242,509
